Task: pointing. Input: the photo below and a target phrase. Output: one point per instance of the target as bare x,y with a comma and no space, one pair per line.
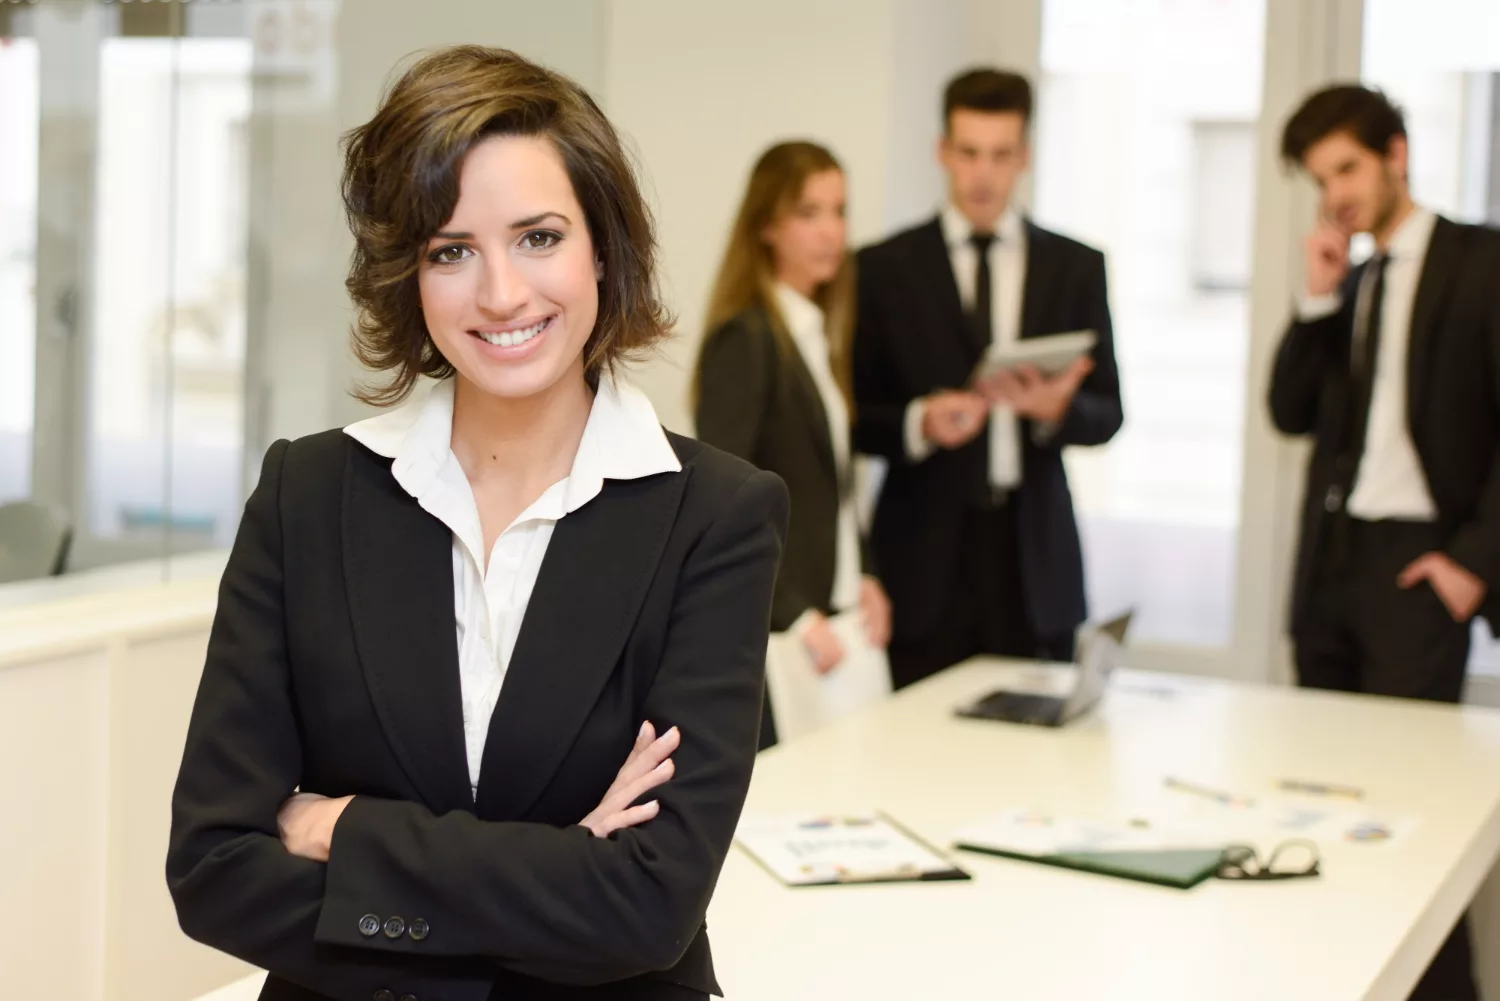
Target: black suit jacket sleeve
1308,350
880,414
1096,413
550,902
233,882
1476,545
735,376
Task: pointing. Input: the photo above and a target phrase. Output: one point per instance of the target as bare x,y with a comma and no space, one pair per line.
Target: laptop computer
1099,649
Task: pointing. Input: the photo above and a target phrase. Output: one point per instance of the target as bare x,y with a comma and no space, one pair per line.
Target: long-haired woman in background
773,387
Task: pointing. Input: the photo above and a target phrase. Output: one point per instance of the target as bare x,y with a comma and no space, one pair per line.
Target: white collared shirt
622,440
1390,482
805,322
1007,260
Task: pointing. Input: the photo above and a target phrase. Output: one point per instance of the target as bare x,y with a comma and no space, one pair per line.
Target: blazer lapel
398,571
594,577
1442,261
1040,266
811,402
936,268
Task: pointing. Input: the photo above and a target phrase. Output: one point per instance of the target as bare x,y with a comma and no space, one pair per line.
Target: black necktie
981,316
1363,352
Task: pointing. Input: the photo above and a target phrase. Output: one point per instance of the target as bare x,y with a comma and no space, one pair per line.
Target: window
169,322
1223,206
18,204
1144,149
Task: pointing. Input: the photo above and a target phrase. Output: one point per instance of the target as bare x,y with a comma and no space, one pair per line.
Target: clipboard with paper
837,849
803,700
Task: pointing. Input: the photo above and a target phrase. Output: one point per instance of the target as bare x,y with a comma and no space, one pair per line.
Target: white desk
1362,932
1365,930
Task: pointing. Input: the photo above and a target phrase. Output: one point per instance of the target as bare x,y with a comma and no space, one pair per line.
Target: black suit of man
1354,628
1453,416
968,573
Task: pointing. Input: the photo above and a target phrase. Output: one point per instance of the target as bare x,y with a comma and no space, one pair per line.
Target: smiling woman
482,696
401,192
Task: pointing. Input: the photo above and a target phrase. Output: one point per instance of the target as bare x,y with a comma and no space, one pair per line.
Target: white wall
759,74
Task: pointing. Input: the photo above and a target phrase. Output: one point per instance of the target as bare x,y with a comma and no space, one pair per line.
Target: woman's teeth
514,338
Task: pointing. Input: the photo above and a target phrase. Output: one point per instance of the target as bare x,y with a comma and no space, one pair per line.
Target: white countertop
56,616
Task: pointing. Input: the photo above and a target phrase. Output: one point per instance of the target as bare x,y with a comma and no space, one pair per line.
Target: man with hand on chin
1393,367
974,532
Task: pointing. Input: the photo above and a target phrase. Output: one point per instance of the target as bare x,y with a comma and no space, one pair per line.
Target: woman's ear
598,269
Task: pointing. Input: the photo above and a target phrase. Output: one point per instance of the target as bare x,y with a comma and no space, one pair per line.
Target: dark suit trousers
986,608
1363,633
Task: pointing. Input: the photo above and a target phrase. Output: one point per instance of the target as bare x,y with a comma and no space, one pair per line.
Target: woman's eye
451,254
540,239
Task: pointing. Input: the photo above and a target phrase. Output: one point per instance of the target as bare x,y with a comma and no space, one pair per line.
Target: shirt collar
1411,238
804,318
622,440
957,229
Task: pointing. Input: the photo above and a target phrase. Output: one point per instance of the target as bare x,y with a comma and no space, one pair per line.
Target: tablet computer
1049,355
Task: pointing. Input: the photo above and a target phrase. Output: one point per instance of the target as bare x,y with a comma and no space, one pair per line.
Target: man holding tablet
974,532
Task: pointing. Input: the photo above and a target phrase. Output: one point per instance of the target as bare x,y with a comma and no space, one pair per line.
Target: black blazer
332,666
758,401
1453,404
911,339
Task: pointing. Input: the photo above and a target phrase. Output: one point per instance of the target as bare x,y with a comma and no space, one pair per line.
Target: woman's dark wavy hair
400,186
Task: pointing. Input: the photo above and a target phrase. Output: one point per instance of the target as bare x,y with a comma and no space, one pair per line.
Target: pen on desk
1216,795
1322,789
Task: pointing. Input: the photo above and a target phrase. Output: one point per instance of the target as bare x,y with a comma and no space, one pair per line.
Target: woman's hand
822,643
649,765
875,612
306,823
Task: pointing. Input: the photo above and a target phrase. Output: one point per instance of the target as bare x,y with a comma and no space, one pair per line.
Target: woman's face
509,285
807,242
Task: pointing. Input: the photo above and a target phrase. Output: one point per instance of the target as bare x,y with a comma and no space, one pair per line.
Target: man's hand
1045,399
306,823
1327,249
951,418
1460,591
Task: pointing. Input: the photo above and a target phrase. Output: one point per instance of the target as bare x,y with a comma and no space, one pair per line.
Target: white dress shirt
805,322
622,440
1007,260
1390,482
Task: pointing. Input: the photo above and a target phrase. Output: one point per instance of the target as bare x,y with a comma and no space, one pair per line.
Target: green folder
1180,868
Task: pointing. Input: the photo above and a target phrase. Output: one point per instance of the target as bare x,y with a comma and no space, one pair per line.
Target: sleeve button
394,928
369,926
418,929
